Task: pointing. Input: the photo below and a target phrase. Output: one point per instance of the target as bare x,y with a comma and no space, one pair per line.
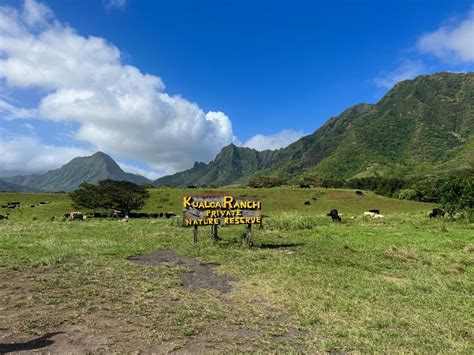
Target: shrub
457,196
265,181
408,194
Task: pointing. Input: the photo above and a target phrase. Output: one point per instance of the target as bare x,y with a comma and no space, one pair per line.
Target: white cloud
119,109
11,112
408,69
150,174
451,42
117,4
275,141
27,153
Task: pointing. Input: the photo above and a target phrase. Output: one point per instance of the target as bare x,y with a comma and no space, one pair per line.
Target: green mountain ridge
421,126
94,168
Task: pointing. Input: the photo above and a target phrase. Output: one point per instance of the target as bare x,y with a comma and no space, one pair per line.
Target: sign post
221,210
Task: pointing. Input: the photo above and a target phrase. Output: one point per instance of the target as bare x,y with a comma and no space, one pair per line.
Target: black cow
305,186
359,193
44,202
437,213
334,215
169,214
192,187
307,203
375,211
32,206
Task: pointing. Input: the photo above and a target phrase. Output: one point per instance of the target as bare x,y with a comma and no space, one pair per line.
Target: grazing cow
334,215
118,214
372,214
169,214
192,187
161,214
314,198
305,186
44,202
375,211
437,213
359,193
307,203
32,206
3,217
76,216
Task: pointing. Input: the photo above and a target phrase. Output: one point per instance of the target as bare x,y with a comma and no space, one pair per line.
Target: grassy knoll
402,283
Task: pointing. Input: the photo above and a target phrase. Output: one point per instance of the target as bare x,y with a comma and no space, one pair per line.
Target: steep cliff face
420,126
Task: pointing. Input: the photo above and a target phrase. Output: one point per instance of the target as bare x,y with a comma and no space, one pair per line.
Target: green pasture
275,201
403,283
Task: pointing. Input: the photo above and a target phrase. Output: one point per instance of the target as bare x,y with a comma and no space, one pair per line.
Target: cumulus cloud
119,109
275,141
408,69
26,153
150,174
449,42
114,4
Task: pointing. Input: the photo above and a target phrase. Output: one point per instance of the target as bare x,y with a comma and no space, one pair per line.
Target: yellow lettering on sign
228,202
186,202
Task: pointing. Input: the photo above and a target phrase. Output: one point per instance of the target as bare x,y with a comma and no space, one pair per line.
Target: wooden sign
220,210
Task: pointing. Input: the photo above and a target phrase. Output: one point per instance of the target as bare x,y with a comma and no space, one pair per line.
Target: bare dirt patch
201,276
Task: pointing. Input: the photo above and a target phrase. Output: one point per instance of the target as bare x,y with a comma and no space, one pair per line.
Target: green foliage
265,181
420,127
408,194
110,195
457,196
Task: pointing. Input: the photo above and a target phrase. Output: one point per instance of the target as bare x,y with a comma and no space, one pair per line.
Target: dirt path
50,311
201,275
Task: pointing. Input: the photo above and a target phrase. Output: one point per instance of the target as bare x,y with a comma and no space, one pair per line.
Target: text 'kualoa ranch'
228,203
220,210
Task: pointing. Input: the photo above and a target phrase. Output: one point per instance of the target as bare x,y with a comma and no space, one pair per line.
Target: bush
457,196
265,181
408,194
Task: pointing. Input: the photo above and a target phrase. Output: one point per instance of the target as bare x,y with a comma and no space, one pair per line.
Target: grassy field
401,283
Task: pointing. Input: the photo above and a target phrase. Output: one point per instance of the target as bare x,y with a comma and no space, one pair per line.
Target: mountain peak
93,168
417,126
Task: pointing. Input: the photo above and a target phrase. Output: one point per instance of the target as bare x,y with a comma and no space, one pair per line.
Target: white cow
373,215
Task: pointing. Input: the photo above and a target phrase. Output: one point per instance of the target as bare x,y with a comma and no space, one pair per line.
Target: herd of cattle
78,216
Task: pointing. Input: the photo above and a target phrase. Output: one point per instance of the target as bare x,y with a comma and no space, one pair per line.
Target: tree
88,196
457,196
110,195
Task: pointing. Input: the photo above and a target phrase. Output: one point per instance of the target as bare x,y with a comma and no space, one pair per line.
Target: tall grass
289,221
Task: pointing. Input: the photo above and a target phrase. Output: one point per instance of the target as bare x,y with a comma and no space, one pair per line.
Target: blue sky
161,84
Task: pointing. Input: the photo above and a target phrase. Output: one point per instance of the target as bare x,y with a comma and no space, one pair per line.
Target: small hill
9,187
421,126
96,167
